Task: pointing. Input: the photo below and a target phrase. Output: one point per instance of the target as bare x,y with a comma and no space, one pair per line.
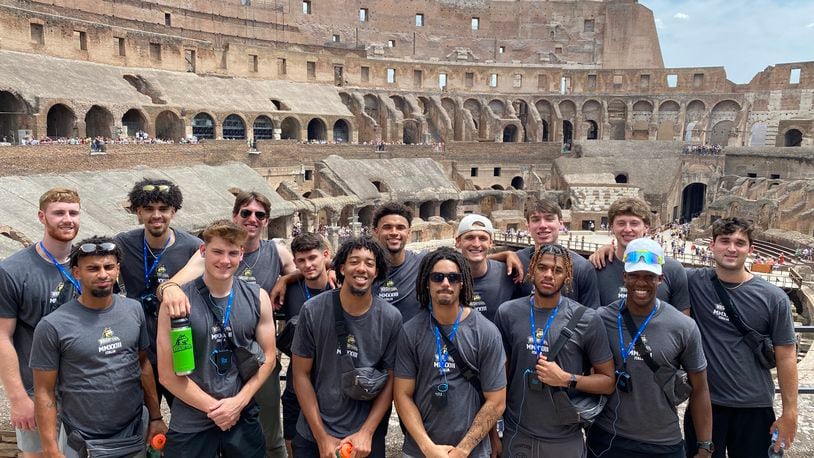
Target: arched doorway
793,137
133,122
366,216
15,115
449,209
410,133
593,130
290,129
168,126
692,200
341,131
317,130
517,183
621,178
545,131
98,122
720,133
567,132
61,122
203,126
425,211
234,128
510,133
263,128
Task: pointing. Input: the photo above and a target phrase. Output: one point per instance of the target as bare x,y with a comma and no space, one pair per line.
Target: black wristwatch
706,445
572,383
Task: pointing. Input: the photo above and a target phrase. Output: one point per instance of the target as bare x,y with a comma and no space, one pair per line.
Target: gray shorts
28,441
519,445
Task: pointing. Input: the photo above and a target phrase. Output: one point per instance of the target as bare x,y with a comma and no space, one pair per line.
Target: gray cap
473,222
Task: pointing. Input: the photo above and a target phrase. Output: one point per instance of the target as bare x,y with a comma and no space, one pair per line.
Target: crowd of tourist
702,150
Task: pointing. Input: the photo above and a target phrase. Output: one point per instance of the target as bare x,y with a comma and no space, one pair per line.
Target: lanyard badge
439,395
538,344
62,270
623,379
148,272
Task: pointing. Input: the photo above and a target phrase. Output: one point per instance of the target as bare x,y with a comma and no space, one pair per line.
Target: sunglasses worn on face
438,277
156,187
245,213
644,256
94,248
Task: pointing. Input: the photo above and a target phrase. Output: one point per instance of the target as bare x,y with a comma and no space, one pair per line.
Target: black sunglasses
453,277
105,247
261,215
156,187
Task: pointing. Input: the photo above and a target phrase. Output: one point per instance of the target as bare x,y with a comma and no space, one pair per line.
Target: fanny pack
762,346
673,382
359,383
286,336
248,359
127,442
573,407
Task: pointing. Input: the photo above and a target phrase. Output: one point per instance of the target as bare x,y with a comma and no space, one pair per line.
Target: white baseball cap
644,254
473,222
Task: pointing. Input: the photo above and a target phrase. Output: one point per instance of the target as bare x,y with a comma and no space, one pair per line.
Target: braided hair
422,288
558,251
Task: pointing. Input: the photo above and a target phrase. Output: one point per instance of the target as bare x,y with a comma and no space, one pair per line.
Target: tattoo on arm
50,405
484,421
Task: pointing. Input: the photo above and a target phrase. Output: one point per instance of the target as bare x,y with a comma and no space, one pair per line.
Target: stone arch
521,110
498,108
719,134
669,112
168,126
346,99
518,182
98,122
380,185
591,130
725,110
641,116
695,111
621,178
449,209
400,105
15,114
473,105
341,131
203,126
692,200
234,127
793,137
449,106
366,215
546,111
592,110
411,132
498,187
133,121
757,134
317,130
568,110
567,132
617,118
487,205
290,128
425,211
60,121
371,106
263,128
423,105
510,133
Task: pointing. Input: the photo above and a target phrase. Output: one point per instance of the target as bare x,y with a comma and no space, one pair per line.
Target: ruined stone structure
481,77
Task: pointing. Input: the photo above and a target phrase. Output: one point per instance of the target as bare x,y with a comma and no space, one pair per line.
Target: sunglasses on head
245,213
105,247
551,248
156,187
644,256
453,277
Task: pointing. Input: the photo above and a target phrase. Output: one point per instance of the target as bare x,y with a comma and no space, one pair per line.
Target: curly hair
361,243
163,191
392,208
557,251
422,287
729,226
77,253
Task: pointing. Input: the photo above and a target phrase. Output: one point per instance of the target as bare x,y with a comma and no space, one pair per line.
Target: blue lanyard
307,291
626,353
443,356
228,309
62,270
538,345
147,273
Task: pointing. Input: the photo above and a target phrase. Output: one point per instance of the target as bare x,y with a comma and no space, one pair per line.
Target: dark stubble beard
105,292
358,291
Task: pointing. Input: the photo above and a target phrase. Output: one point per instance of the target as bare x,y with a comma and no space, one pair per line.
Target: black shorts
605,445
291,412
741,431
244,439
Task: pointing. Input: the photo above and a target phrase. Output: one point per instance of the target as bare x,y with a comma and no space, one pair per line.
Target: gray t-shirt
371,342
295,297
735,377
673,289
478,342
589,342
399,286
673,339
171,260
584,287
492,289
262,266
96,354
30,288
208,336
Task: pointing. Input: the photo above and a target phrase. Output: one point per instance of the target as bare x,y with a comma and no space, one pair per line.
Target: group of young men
446,336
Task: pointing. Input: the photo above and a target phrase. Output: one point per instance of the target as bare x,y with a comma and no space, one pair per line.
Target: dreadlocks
556,250
422,288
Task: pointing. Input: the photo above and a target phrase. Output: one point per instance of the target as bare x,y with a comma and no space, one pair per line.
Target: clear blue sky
744,36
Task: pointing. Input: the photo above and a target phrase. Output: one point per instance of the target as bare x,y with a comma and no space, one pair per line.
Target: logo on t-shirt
247,275
450,362
388,291
218,336
477,303
54,297
353,350
720,313
109,344
622,293
530,343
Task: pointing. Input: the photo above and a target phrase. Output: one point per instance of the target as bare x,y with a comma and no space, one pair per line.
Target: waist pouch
249,359
286,336
763,347
581,408
127,442
674,384
361,383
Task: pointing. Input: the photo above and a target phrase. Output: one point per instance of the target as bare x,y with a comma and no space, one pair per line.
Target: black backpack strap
468,372
733,314
640,348
566,333
203,290
340,326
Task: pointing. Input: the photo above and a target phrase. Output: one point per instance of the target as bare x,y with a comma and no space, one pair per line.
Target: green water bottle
183,356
